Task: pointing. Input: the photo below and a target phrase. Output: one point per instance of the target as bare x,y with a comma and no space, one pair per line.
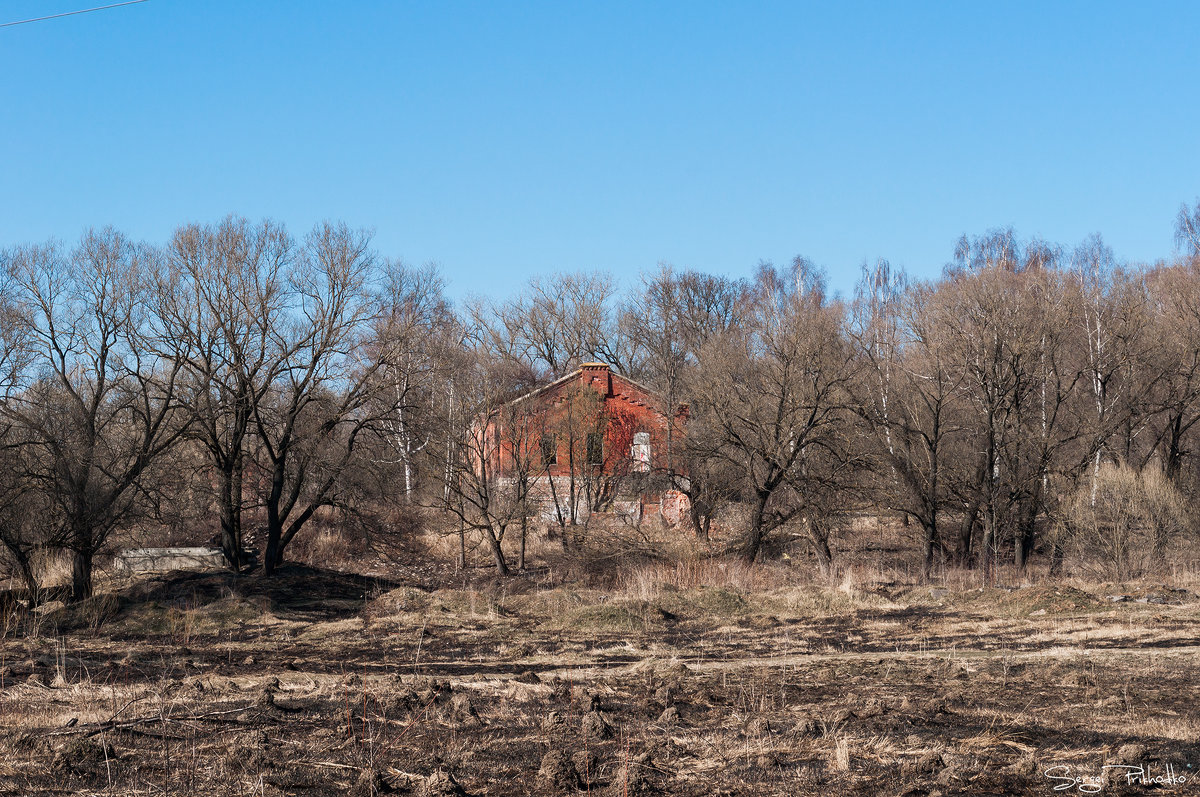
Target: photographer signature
1132,774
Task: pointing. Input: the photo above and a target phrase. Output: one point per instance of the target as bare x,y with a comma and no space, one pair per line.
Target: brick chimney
598,375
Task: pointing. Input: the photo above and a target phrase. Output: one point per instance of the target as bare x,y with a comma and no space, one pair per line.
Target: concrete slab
157,560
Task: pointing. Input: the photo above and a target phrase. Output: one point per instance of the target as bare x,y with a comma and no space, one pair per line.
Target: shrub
1125,521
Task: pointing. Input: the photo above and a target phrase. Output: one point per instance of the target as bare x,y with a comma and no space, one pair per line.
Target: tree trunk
572,489
462,545
27,575
700,520
1056,559
1021,550
929,543
989,541
1026,535
81,575
1174,455
558,513
754,535
966,534
231,521
274,554
497,553
521,550
818,535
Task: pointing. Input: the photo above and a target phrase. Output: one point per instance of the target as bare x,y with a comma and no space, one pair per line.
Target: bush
1125,521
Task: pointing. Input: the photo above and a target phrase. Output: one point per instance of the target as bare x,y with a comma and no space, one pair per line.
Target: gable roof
562,380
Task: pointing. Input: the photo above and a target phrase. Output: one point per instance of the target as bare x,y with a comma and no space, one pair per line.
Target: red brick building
593,440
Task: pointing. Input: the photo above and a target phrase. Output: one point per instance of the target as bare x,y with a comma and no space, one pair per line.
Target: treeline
1034,399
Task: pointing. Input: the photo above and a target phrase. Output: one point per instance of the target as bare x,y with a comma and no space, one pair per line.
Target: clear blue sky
508,139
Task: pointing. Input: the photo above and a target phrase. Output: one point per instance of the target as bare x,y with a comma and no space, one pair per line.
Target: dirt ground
697,680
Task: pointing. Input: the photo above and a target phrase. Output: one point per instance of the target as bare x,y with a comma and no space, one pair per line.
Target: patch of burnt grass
668,608
1056,599
679,691
619,615
1024,601
710,601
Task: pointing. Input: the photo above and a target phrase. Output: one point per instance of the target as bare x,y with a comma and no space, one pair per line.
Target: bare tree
984,324
495,449
875,329
774,394
22,537
420,334
1116,316
654,320
1187,230
1013,323
1171,359
557,323
218,308
293,363
326,382
19,537
97,405
668,323
908,402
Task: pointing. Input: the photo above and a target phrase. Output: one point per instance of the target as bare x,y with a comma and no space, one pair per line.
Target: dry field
693,677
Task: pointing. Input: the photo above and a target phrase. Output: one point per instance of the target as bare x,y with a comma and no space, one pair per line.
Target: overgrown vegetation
241,386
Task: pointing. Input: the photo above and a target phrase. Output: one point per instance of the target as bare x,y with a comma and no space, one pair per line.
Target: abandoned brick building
592,441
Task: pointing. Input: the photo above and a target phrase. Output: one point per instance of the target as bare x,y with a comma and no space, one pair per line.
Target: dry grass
677,673
647,582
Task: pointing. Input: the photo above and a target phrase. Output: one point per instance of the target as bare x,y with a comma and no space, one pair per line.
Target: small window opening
641,452
595,448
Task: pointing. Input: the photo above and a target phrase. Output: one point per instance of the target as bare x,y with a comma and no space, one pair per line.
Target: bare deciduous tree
97,406
420,332
327,385
909,402
495,446
1170,358
225,293
1187,230
668,324
557,323
774,393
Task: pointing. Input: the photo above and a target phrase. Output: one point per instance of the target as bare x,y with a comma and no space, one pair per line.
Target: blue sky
508,139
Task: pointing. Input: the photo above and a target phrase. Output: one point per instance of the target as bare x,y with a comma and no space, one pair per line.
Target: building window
549,450
641,452
595,448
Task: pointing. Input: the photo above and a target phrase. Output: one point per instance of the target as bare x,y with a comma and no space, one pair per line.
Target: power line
70,13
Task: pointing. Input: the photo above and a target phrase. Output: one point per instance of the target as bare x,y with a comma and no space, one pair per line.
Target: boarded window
641,452
595,448
549,450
